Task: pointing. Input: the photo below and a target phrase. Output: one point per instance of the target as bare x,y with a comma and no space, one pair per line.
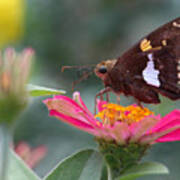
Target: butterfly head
101,70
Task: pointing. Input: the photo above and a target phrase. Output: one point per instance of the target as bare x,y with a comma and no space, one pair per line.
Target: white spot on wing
178,66
150,74
178,75
175,24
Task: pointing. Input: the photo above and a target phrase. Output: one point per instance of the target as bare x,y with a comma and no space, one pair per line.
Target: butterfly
151,67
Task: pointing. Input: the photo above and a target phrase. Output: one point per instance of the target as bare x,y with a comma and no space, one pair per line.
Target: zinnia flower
123,133
115,122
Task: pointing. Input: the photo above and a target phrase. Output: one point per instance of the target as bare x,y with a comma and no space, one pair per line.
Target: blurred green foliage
67,32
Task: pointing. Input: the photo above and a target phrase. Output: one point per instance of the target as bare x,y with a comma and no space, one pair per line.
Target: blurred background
68,32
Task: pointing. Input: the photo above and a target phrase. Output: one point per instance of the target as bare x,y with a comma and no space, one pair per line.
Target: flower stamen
130,114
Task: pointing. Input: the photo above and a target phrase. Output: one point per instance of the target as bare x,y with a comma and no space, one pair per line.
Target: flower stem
4,150
109,172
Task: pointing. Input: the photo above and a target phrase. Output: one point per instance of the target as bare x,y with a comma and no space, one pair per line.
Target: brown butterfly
150,67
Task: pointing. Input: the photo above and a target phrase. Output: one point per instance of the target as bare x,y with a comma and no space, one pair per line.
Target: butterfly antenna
76,67
67,67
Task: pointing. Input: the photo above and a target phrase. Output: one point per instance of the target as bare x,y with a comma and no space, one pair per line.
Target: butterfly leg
107,96
101,93
139,103
84,76
118,99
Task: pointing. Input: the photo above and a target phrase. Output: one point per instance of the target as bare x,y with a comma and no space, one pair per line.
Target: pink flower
31,156
123,125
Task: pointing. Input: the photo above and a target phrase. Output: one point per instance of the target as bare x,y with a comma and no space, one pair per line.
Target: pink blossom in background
31,156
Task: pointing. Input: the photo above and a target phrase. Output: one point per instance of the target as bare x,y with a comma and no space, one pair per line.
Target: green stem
109,172
4,151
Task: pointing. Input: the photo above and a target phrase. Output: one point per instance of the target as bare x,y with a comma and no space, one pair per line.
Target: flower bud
14,73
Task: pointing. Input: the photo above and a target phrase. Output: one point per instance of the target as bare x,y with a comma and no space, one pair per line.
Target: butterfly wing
167,61
152,66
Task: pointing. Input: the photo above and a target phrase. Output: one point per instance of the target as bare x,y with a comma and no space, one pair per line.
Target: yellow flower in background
11,20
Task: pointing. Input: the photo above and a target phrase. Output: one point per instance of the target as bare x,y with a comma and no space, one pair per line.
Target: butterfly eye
102,70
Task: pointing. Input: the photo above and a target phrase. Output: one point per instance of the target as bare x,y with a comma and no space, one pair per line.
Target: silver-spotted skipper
150,67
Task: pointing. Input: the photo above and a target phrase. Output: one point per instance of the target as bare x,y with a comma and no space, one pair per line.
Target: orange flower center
129,114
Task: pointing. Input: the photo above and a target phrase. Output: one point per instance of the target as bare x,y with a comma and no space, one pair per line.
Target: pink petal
168,129
170,120
77,98
67,99
60,98
67,106
173,136
152,138
120,132
72,121
100,105
104,132
139,129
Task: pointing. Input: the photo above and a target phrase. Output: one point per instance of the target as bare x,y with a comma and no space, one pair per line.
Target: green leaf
84,165
147,168
35,90
18,169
